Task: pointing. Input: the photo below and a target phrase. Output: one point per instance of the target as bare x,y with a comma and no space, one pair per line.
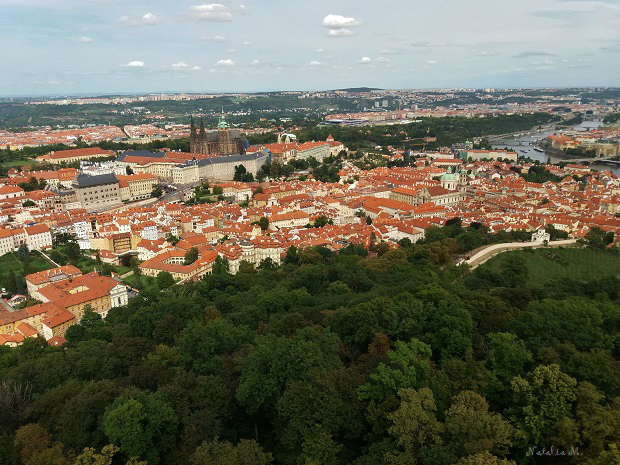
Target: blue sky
112,46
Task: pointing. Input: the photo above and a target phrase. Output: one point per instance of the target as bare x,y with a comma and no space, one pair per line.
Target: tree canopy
354,357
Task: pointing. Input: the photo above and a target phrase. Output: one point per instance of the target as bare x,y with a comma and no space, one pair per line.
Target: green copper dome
222,124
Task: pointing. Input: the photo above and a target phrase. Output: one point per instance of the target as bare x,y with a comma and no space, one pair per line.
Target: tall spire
222,123
202,127
192,129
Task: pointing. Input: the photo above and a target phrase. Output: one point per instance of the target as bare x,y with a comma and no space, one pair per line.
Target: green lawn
13,271
84,262
561,263
122,269
86,265
146,282
11,265
6,165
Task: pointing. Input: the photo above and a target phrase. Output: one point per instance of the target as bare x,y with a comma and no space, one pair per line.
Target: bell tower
192,131
226,146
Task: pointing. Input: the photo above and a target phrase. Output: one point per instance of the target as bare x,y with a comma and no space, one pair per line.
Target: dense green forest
356,357
17,115
448,130
611,118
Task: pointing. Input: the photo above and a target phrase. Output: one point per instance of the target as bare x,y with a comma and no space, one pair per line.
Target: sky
68,47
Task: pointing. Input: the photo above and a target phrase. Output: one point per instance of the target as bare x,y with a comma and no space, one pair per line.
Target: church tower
192,133
449,180
203,134
201,141
462,183
226,146
223,141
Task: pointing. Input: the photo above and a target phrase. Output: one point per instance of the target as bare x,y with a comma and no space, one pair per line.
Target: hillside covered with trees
387,357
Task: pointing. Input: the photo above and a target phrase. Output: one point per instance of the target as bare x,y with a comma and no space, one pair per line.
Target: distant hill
360,89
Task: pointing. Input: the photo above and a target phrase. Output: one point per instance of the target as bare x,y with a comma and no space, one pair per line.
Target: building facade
223,141
136,186
97,192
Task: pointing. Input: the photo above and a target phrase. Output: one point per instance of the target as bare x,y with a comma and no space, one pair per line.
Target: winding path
490,251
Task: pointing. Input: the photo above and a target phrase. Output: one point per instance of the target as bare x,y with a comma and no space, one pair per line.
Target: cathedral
223,141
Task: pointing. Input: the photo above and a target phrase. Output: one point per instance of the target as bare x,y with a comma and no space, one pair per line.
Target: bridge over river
611,160
499,137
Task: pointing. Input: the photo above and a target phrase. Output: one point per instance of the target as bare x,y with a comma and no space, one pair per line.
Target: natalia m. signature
535,451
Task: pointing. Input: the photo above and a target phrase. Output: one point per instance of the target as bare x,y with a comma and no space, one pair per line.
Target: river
524,145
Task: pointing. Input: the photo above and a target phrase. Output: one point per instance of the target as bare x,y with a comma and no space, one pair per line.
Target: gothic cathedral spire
192,130
222,124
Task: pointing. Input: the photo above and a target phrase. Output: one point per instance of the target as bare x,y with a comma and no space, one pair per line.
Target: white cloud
84,40
339,32
432,62
148,19
315,63
226,62
339,21
182,66
217,39
255,62
319,50
134,64
212,12
382,60
366,59
486,54
247,43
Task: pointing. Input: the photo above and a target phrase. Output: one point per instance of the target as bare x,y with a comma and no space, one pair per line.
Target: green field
146,283
6,165
13,269
561,263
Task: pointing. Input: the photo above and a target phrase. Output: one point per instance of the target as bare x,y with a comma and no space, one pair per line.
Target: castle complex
223,141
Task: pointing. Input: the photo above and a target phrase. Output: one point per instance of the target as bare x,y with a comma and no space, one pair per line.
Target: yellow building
74,155
57,324
36,281
136,186
33,315
173,262
100,292
410,196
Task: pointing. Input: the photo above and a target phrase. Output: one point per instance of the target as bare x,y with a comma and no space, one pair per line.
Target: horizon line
232,92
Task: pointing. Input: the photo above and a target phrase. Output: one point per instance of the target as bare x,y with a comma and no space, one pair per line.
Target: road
178,193
488,252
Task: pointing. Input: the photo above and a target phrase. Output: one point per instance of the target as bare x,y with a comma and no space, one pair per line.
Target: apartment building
36,281
97,192
136,186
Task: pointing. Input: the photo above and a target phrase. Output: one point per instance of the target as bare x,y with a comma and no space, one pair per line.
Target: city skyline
108,47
